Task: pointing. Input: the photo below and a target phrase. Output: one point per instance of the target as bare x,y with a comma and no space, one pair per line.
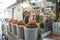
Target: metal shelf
45,34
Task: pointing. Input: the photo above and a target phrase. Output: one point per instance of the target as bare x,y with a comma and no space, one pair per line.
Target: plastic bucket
30,33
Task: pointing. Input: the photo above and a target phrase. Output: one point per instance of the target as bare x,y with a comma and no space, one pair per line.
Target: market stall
35,24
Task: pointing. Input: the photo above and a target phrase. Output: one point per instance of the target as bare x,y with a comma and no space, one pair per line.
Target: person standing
26,19
49,22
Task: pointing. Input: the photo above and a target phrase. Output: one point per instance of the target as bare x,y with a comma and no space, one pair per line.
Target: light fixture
25,5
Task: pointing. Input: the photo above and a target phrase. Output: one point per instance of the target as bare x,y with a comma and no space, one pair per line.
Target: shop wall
9,10
18,12
9,13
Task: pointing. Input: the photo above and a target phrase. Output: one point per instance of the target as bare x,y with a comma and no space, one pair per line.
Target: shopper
49,22
41,13
37,17
24,14
26,19
2,27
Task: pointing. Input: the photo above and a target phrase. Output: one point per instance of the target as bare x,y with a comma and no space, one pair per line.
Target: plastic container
30,33
20,31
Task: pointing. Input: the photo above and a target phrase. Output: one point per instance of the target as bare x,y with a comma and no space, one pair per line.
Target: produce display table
18,33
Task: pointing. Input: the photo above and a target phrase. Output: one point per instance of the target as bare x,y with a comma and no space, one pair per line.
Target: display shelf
14,29
17,31
11,36
9,27
20,31
45,34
